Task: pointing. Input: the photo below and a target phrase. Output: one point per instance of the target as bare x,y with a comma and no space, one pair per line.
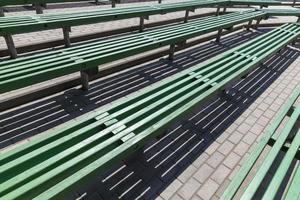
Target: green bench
58,161
25,71
23,24
40,4
286,140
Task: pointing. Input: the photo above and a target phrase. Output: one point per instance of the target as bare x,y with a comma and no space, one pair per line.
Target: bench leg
66,33
257,23
159,1
218,11
249,25
11,46
172,51
142,23
86,76
224,9
298,20
294,3
113,3
44,5
186,16
219,35
261,7
1,12
97,2
39,8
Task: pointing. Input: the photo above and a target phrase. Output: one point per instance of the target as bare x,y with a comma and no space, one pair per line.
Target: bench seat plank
53,164
293,191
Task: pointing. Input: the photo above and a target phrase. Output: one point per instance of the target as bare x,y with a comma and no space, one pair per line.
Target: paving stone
269,114
244,128
225,148
203,173
263,121
257,129
212,148
208,189
231,160
222,138
159,198
189,188
171,189
200,160
215,159
263,106
235,137
257,113
176,197
249,138
241,148
251,120
195,197
220,174
188,172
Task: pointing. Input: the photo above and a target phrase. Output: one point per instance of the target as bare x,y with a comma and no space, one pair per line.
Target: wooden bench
25,71
285,140
24,24
58,161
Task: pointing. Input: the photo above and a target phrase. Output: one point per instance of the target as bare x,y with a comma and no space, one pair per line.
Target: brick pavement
200,153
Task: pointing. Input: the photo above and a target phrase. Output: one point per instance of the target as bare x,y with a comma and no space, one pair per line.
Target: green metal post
38,8
249,25
66,33
1,12
172,51
11,46
186,16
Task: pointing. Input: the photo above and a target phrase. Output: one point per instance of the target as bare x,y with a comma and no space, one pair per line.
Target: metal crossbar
57,162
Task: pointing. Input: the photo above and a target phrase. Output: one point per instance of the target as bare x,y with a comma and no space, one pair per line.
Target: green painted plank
280,174
293,192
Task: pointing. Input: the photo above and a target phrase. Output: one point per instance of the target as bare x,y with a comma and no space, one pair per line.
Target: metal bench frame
55,163
24,71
